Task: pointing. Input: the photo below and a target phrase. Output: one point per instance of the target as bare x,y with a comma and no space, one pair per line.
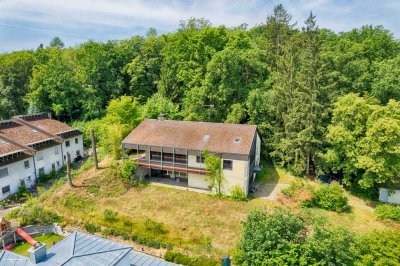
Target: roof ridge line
24,123
118,260
73,249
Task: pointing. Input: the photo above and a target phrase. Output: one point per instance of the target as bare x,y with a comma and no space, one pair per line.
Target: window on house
39,156
29,178
78,153
41,171
58,163
76,141
3,172
199,159
26,164
56,150
5,189
22,182
227,164
67,144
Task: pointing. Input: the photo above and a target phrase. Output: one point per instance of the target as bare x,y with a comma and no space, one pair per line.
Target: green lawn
22,247
273,174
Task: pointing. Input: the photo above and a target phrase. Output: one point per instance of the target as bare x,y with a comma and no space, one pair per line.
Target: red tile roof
25,130
7,148
216,137
22,135
50,125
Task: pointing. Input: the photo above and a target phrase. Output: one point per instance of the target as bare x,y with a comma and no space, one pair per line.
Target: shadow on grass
269,173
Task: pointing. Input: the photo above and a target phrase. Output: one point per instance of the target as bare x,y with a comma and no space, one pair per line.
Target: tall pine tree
297,92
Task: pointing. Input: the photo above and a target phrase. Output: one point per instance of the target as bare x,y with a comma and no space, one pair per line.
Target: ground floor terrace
180,167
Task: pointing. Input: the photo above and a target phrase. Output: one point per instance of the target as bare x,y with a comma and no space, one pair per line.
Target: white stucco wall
237,176
198,181
73,148
16,173
51,156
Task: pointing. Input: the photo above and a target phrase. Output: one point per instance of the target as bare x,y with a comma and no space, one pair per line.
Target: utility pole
94,152
69,170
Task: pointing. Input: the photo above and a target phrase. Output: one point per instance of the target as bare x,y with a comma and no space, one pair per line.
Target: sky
24,24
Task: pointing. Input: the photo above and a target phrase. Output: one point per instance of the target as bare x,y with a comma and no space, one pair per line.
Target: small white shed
385,196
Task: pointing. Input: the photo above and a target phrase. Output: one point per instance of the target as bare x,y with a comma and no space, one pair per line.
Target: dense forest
324,102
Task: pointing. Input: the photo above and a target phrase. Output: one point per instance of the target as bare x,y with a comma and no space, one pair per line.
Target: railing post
173,160
162,160
149,148
187,162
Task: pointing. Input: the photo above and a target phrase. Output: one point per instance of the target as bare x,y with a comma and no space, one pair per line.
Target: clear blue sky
24,24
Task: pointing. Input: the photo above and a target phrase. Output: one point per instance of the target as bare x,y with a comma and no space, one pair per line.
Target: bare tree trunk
69,170
308,164
94,152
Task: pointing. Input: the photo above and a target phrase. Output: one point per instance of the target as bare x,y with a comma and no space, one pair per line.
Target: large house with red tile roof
172,150
31,145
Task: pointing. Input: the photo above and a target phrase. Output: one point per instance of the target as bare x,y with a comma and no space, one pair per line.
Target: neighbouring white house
31,145
172,150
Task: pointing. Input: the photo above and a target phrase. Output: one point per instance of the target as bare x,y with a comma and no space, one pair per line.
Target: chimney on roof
49,115
37,253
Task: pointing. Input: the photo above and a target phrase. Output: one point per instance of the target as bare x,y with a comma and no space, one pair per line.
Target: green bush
380,248
110,216
46,177
22,193
388,212
331,197
155,227
238,194
284,237
180,258
92,228
29,215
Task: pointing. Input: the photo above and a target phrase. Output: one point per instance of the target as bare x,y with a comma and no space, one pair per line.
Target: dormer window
206,137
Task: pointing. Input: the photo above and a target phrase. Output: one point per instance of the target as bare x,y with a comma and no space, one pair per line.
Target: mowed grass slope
198,223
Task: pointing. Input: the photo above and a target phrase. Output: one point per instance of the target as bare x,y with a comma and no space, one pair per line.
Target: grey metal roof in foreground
86,250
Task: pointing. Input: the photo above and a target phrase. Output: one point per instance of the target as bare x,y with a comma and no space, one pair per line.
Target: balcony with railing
170,162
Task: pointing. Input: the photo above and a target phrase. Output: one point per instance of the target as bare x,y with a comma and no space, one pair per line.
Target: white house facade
31,145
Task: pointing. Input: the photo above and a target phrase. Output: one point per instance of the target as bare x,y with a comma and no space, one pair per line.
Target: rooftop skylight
237,140
205,137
